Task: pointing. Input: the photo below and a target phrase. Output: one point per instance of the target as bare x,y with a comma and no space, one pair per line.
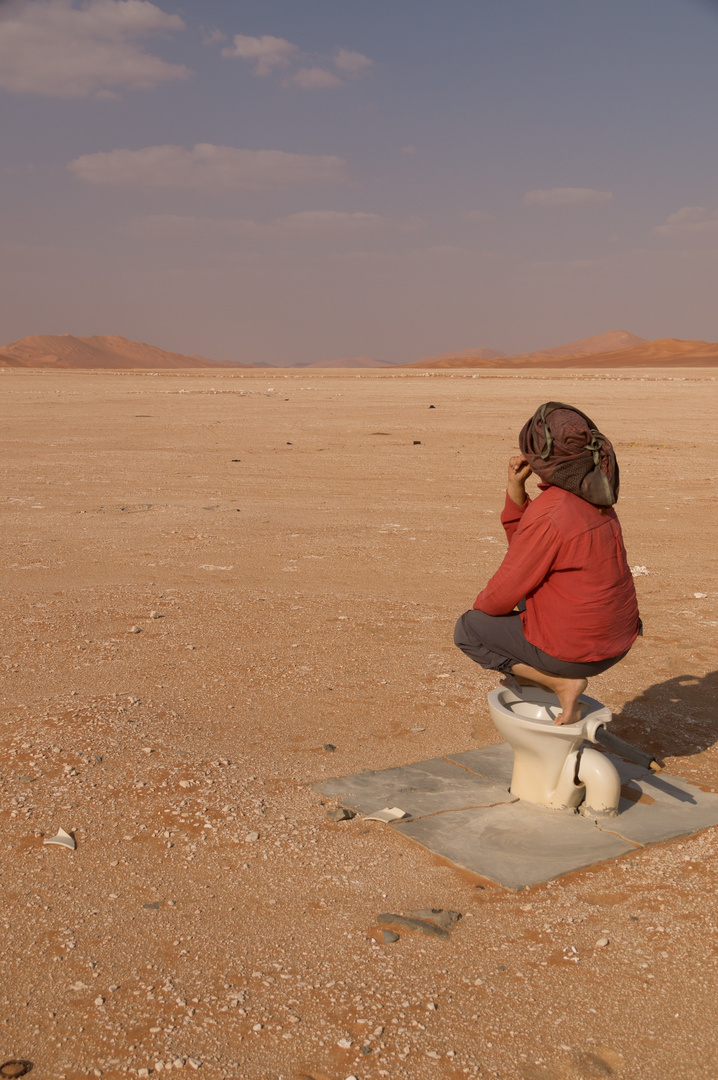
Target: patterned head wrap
566,449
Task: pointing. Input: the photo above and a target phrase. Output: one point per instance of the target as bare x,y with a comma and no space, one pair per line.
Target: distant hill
615,348
611,341
663,352
466,356
108,351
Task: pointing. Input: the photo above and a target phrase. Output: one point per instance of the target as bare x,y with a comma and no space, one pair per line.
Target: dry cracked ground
210,578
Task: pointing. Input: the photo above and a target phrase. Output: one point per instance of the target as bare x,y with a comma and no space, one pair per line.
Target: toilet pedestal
550,768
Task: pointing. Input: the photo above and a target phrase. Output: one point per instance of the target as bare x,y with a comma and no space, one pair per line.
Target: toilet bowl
549,767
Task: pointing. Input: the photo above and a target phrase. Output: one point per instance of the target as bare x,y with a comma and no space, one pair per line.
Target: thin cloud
313,79
48,47
268,55
567,196
307,224
265,53
211,37
694,223
352,63
207,168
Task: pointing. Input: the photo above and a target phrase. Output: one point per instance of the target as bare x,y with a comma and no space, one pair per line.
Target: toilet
550,768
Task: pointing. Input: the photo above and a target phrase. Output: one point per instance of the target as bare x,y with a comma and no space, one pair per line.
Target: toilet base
550,768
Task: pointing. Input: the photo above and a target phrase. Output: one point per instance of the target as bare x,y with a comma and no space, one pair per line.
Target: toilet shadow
675,718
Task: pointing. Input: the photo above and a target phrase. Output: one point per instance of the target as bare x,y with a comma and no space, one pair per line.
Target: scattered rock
424,927
194,1062
251,837
329,747
99,1001
155,615
445,919
389,936
15,1068
136,630
344,1043
602,943
417,442
341,813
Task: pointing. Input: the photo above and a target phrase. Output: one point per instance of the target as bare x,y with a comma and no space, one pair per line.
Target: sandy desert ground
306,542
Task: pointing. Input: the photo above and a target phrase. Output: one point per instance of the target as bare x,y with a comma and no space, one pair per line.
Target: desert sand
212,577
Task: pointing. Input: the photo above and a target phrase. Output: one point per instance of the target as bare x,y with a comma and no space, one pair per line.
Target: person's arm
527,563
516,498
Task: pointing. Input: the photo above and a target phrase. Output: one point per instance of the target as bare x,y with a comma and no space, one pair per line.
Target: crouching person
562,606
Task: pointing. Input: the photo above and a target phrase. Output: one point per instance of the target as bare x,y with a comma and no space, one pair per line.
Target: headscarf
565,448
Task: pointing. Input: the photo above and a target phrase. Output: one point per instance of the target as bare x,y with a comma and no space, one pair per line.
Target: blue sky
286,181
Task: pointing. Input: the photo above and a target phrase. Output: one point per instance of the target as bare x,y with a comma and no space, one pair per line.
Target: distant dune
663,352
9,361
466,355
616,348
611,341
109,351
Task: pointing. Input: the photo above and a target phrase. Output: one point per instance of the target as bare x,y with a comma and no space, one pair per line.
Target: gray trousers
497,642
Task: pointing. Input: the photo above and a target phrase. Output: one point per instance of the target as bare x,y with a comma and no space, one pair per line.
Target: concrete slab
461,809
494,762
426,788
515,844
667,806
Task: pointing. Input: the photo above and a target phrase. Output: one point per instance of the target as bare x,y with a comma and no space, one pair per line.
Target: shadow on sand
675,718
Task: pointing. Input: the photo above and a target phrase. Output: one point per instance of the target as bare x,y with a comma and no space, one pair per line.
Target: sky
288,181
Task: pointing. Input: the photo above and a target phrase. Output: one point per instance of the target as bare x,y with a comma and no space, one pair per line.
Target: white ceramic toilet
549,767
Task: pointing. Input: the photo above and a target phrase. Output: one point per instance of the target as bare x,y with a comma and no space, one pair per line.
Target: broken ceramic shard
388,814
63,839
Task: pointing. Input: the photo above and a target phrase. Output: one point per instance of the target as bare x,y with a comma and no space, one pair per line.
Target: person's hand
519,472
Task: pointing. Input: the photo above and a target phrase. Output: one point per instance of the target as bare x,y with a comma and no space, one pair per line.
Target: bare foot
568,694
568,691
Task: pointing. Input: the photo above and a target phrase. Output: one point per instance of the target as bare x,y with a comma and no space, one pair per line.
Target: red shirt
567,558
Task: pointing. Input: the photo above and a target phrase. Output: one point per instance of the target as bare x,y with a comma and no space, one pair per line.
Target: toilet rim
502,697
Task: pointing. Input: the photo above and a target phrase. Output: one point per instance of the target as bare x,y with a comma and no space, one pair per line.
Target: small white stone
136,630
195,1063
251,837
178,1063
602,943
154,614
700,595
99,1001
344,1043
143,1072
